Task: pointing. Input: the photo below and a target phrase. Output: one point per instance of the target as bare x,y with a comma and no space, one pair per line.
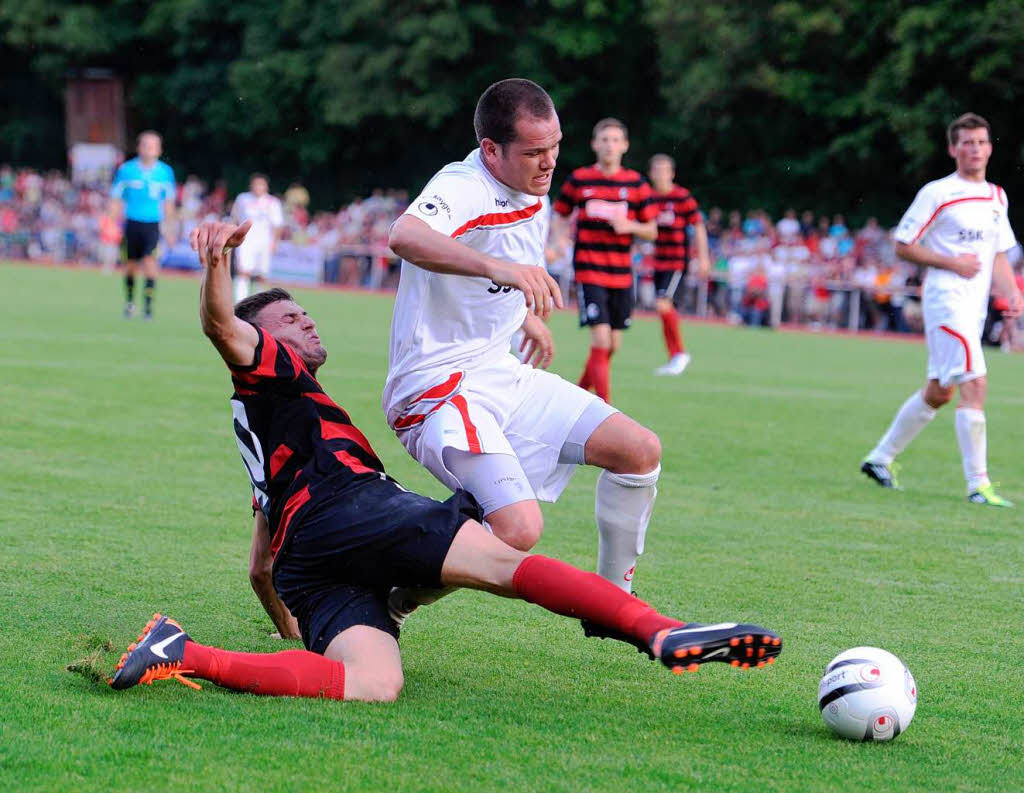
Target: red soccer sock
672,333
596,373
567,590
289,673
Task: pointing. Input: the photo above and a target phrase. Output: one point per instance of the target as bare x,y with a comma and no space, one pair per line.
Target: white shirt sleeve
1005,239
237,214
448,202
916,219
276,214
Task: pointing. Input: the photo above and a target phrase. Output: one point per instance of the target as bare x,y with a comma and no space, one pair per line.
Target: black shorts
600,305
140,239
342,559
667,282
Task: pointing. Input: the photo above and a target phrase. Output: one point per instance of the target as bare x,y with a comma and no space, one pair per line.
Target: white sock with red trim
971,434
623,509
910,420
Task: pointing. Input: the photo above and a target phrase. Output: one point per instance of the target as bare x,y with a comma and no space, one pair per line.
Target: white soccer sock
970,432
241,287
910,420
623,509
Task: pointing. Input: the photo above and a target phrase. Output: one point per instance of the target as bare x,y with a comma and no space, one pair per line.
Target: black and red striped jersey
601,256
676,210
298,446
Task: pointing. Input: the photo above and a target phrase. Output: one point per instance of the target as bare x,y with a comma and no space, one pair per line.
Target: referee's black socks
147,295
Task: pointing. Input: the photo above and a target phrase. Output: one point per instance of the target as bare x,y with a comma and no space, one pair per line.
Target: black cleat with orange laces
685,648
156,655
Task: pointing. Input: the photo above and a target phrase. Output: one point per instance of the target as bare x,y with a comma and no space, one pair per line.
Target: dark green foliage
838,106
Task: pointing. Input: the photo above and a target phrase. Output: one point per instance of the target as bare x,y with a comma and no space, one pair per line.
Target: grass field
122,494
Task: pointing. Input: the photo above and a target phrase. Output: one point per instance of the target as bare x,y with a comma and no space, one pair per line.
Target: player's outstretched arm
414,241
965,265
234,339
261,576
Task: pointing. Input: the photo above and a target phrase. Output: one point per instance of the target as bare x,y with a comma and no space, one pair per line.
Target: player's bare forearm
234,339
700,233
261,577
646,231
414,241
926,257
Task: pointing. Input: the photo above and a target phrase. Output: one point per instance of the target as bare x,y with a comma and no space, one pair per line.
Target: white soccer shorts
503,408
253,260
954,354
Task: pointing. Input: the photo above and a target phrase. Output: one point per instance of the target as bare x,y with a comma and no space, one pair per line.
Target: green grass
122,493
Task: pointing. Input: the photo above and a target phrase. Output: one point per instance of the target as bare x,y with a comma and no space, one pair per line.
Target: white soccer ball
867,694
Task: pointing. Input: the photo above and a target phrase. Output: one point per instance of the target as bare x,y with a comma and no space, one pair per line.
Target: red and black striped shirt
676,210
298,446
601,256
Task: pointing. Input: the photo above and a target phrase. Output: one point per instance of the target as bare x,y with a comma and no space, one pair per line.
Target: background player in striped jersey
958,228
472,245
612,205
677,212
144,191
252,261
341,532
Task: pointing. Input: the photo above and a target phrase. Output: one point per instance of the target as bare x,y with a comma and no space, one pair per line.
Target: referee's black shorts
342,559
140,239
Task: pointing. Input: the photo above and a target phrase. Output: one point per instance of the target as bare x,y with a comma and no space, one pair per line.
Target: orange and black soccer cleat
156,655
685,648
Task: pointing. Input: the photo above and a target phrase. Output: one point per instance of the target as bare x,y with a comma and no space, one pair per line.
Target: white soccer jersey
953,216
445,322
266,215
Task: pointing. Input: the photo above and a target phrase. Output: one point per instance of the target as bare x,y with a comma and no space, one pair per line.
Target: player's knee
936,395
645,452
382,686
524,533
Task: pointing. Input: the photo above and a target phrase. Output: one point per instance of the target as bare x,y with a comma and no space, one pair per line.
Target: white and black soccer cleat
744,646
884,475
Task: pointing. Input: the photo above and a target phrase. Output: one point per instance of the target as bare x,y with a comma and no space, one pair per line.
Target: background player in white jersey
958,228
252,260
462,405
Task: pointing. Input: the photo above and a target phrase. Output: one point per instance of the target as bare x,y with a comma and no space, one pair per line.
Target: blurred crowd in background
800,268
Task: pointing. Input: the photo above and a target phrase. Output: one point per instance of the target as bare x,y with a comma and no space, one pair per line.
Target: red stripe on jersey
297,364
497,219
352,463
935,214
330,430
471,437
445,389
290,508
607,280
603,237
962,340
267,365
278,459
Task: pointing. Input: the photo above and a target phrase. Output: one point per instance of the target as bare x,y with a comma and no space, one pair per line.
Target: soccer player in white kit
252,259
958,228
472,246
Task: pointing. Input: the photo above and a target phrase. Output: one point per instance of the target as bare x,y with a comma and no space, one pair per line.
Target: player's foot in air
156,655
988,495
744,646
885,475
677,365
129,310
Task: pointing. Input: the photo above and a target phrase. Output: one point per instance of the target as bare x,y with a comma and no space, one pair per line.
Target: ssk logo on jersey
971,235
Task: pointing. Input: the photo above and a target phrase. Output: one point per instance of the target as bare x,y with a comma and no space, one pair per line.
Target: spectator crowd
799,268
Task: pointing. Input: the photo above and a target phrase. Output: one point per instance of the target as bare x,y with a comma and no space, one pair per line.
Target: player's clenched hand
966,265
540,289
1016,306
213,240
621,225
538,347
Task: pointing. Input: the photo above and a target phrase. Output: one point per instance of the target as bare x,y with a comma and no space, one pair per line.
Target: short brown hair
661,158
604,123
501,105
250,307
966,121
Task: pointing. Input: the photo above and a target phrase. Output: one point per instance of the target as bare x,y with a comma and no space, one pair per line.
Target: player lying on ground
343,532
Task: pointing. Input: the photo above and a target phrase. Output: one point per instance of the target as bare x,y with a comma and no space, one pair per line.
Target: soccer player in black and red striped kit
677,212
613,205
341,532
